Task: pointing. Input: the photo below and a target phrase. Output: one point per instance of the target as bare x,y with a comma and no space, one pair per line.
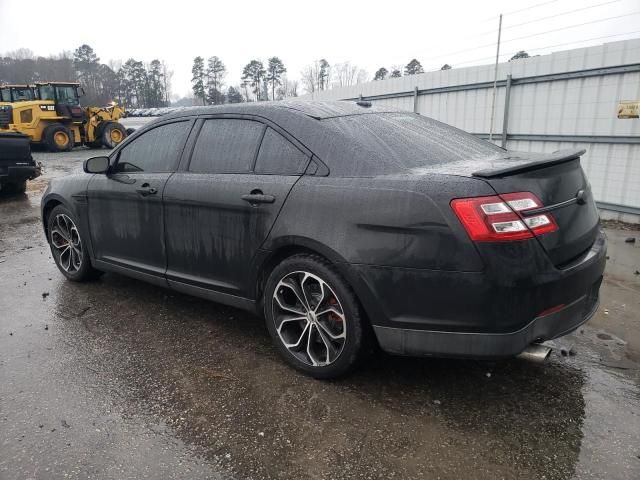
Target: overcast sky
370,34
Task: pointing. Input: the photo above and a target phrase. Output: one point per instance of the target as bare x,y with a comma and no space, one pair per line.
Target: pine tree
381,74
275,70
215,76
197,79
156,84
413,68
86,64
253,73
234,96
324,72
520,54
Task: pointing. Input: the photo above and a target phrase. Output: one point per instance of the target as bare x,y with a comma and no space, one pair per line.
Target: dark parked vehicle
16,163
344,225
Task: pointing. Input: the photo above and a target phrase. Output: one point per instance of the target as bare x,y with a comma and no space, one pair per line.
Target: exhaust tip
535,353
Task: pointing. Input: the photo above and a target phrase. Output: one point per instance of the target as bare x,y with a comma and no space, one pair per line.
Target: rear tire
314,317
58,138
112,134
67,246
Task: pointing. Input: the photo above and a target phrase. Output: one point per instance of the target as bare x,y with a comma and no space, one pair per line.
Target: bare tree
168,76
346,74
287,88
292,89
362,76
309,77
21,54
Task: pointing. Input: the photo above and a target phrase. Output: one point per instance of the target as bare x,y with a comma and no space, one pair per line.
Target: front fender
71,192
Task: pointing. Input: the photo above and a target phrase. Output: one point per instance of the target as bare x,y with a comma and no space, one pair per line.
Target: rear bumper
19,173
495,313
489,345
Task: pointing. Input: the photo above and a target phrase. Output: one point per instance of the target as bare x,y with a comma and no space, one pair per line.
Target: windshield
21,94
46,92
5,95
67,95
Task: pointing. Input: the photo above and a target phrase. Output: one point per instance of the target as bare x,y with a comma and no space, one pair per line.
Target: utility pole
495,81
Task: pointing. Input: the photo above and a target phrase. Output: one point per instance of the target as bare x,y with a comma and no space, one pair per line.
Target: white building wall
569,107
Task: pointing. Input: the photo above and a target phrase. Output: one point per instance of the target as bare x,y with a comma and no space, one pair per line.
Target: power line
552,16
534,35
553,46
572,26
513,12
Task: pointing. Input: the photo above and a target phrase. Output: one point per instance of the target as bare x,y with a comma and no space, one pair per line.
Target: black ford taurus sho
344,225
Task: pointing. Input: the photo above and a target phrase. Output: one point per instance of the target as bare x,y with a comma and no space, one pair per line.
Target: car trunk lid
558,180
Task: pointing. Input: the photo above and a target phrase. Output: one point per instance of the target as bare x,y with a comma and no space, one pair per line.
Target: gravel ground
118,379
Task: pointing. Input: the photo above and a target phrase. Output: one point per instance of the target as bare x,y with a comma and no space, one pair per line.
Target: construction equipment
55,119
16,93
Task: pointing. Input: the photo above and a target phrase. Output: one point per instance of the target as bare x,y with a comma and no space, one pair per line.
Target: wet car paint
386,228
129,380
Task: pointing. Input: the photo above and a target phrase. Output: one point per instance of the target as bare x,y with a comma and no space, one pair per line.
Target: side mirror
96,165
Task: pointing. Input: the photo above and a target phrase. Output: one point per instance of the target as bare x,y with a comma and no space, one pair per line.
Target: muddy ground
118,379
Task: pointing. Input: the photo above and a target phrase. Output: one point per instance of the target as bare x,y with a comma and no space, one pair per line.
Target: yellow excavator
49,113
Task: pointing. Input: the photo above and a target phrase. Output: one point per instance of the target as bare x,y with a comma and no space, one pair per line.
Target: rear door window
226,145
157,150
278,156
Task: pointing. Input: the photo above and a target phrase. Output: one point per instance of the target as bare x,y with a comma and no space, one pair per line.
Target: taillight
500,218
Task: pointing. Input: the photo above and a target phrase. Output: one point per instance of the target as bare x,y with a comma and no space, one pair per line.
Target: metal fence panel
563,100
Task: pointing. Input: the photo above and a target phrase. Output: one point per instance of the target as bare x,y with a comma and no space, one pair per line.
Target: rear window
226,146
278,156
408,140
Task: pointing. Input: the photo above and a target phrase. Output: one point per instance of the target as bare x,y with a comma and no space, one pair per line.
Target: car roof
313,109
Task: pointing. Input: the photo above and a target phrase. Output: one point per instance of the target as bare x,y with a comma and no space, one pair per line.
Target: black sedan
345,225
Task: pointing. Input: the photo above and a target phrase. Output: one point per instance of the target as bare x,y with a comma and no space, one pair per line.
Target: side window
226,145
279,156
157,150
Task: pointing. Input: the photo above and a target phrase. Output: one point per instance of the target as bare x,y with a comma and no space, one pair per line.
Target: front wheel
112,134
58,138
67,246
313,317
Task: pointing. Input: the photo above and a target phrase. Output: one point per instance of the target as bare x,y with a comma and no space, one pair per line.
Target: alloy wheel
66,242
309,318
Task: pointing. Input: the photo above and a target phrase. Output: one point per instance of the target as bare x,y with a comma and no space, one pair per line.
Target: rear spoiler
561,156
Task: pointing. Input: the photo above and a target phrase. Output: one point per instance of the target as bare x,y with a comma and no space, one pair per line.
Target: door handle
257,197
146,189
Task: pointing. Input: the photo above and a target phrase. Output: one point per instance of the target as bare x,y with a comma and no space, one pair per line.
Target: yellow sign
629,109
